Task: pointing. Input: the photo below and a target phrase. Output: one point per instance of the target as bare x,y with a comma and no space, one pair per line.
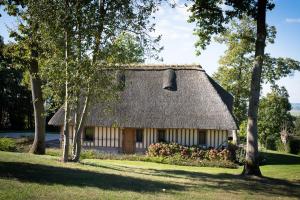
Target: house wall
110,139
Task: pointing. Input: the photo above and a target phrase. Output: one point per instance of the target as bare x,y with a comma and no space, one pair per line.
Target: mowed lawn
26,176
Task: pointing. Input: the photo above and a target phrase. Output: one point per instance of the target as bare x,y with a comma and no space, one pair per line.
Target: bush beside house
173,153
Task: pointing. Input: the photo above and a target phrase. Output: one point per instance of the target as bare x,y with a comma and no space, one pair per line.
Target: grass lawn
26,176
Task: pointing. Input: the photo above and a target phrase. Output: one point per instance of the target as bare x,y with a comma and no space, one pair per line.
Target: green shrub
240,155
271,143
8,144
294,145
232,148
196,153
88,154
175,159
24,143
280,146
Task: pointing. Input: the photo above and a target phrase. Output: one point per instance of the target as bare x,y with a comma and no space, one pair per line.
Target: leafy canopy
274,113
234,73
213,16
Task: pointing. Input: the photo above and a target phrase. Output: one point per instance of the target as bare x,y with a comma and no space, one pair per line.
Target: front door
128,140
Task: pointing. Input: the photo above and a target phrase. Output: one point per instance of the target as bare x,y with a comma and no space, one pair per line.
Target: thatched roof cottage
161,103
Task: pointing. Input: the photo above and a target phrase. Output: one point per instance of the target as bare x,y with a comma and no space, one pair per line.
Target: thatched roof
165,96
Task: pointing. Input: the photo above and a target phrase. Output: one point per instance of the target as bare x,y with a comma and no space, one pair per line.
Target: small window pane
89,134
202,138
139,135
161,136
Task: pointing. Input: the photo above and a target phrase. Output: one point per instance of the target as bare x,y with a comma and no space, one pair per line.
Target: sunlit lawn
25,176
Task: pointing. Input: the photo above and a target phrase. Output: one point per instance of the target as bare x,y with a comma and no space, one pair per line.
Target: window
89,134
139,135
201,137
161,135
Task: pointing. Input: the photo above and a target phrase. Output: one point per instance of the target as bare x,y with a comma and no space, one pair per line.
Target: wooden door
128,140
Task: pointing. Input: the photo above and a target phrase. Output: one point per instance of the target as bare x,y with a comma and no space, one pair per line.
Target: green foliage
16,144
240,155
175,159
297,126
273,114
13,94
101,35
8,144
88,154
125,49
76,46
280,146
234,73
212,17
190,153
294,145
243,129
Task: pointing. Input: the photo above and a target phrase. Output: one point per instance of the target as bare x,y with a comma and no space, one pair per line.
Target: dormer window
169,80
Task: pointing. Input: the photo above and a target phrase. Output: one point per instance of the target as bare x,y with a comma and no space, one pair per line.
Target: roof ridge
141,66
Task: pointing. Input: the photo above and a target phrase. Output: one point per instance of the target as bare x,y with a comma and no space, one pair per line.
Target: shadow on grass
233,183
280,159
44,174
227,182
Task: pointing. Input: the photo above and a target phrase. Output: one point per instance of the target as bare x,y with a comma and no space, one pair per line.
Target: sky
178,39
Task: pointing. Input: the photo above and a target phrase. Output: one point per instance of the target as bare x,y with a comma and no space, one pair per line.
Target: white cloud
172,23
182,10
292,20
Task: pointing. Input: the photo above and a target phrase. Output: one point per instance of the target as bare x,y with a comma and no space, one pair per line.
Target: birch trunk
66,117
78,132
235,137
96,51
251,166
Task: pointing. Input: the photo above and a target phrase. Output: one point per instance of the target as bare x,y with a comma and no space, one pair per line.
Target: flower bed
195,153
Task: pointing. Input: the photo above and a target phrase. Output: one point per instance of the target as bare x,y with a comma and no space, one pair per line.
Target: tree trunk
38,146
66,134
66,117
251,166
235,137
96,51
78,133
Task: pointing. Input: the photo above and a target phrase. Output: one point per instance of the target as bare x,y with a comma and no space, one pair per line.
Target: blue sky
178,40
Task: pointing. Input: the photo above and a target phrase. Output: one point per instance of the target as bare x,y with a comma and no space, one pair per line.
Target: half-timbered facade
160,103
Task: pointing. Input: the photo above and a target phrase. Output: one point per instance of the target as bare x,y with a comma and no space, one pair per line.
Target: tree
274,113
234,73
15,109
211,19
297,126
25,54
93,33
